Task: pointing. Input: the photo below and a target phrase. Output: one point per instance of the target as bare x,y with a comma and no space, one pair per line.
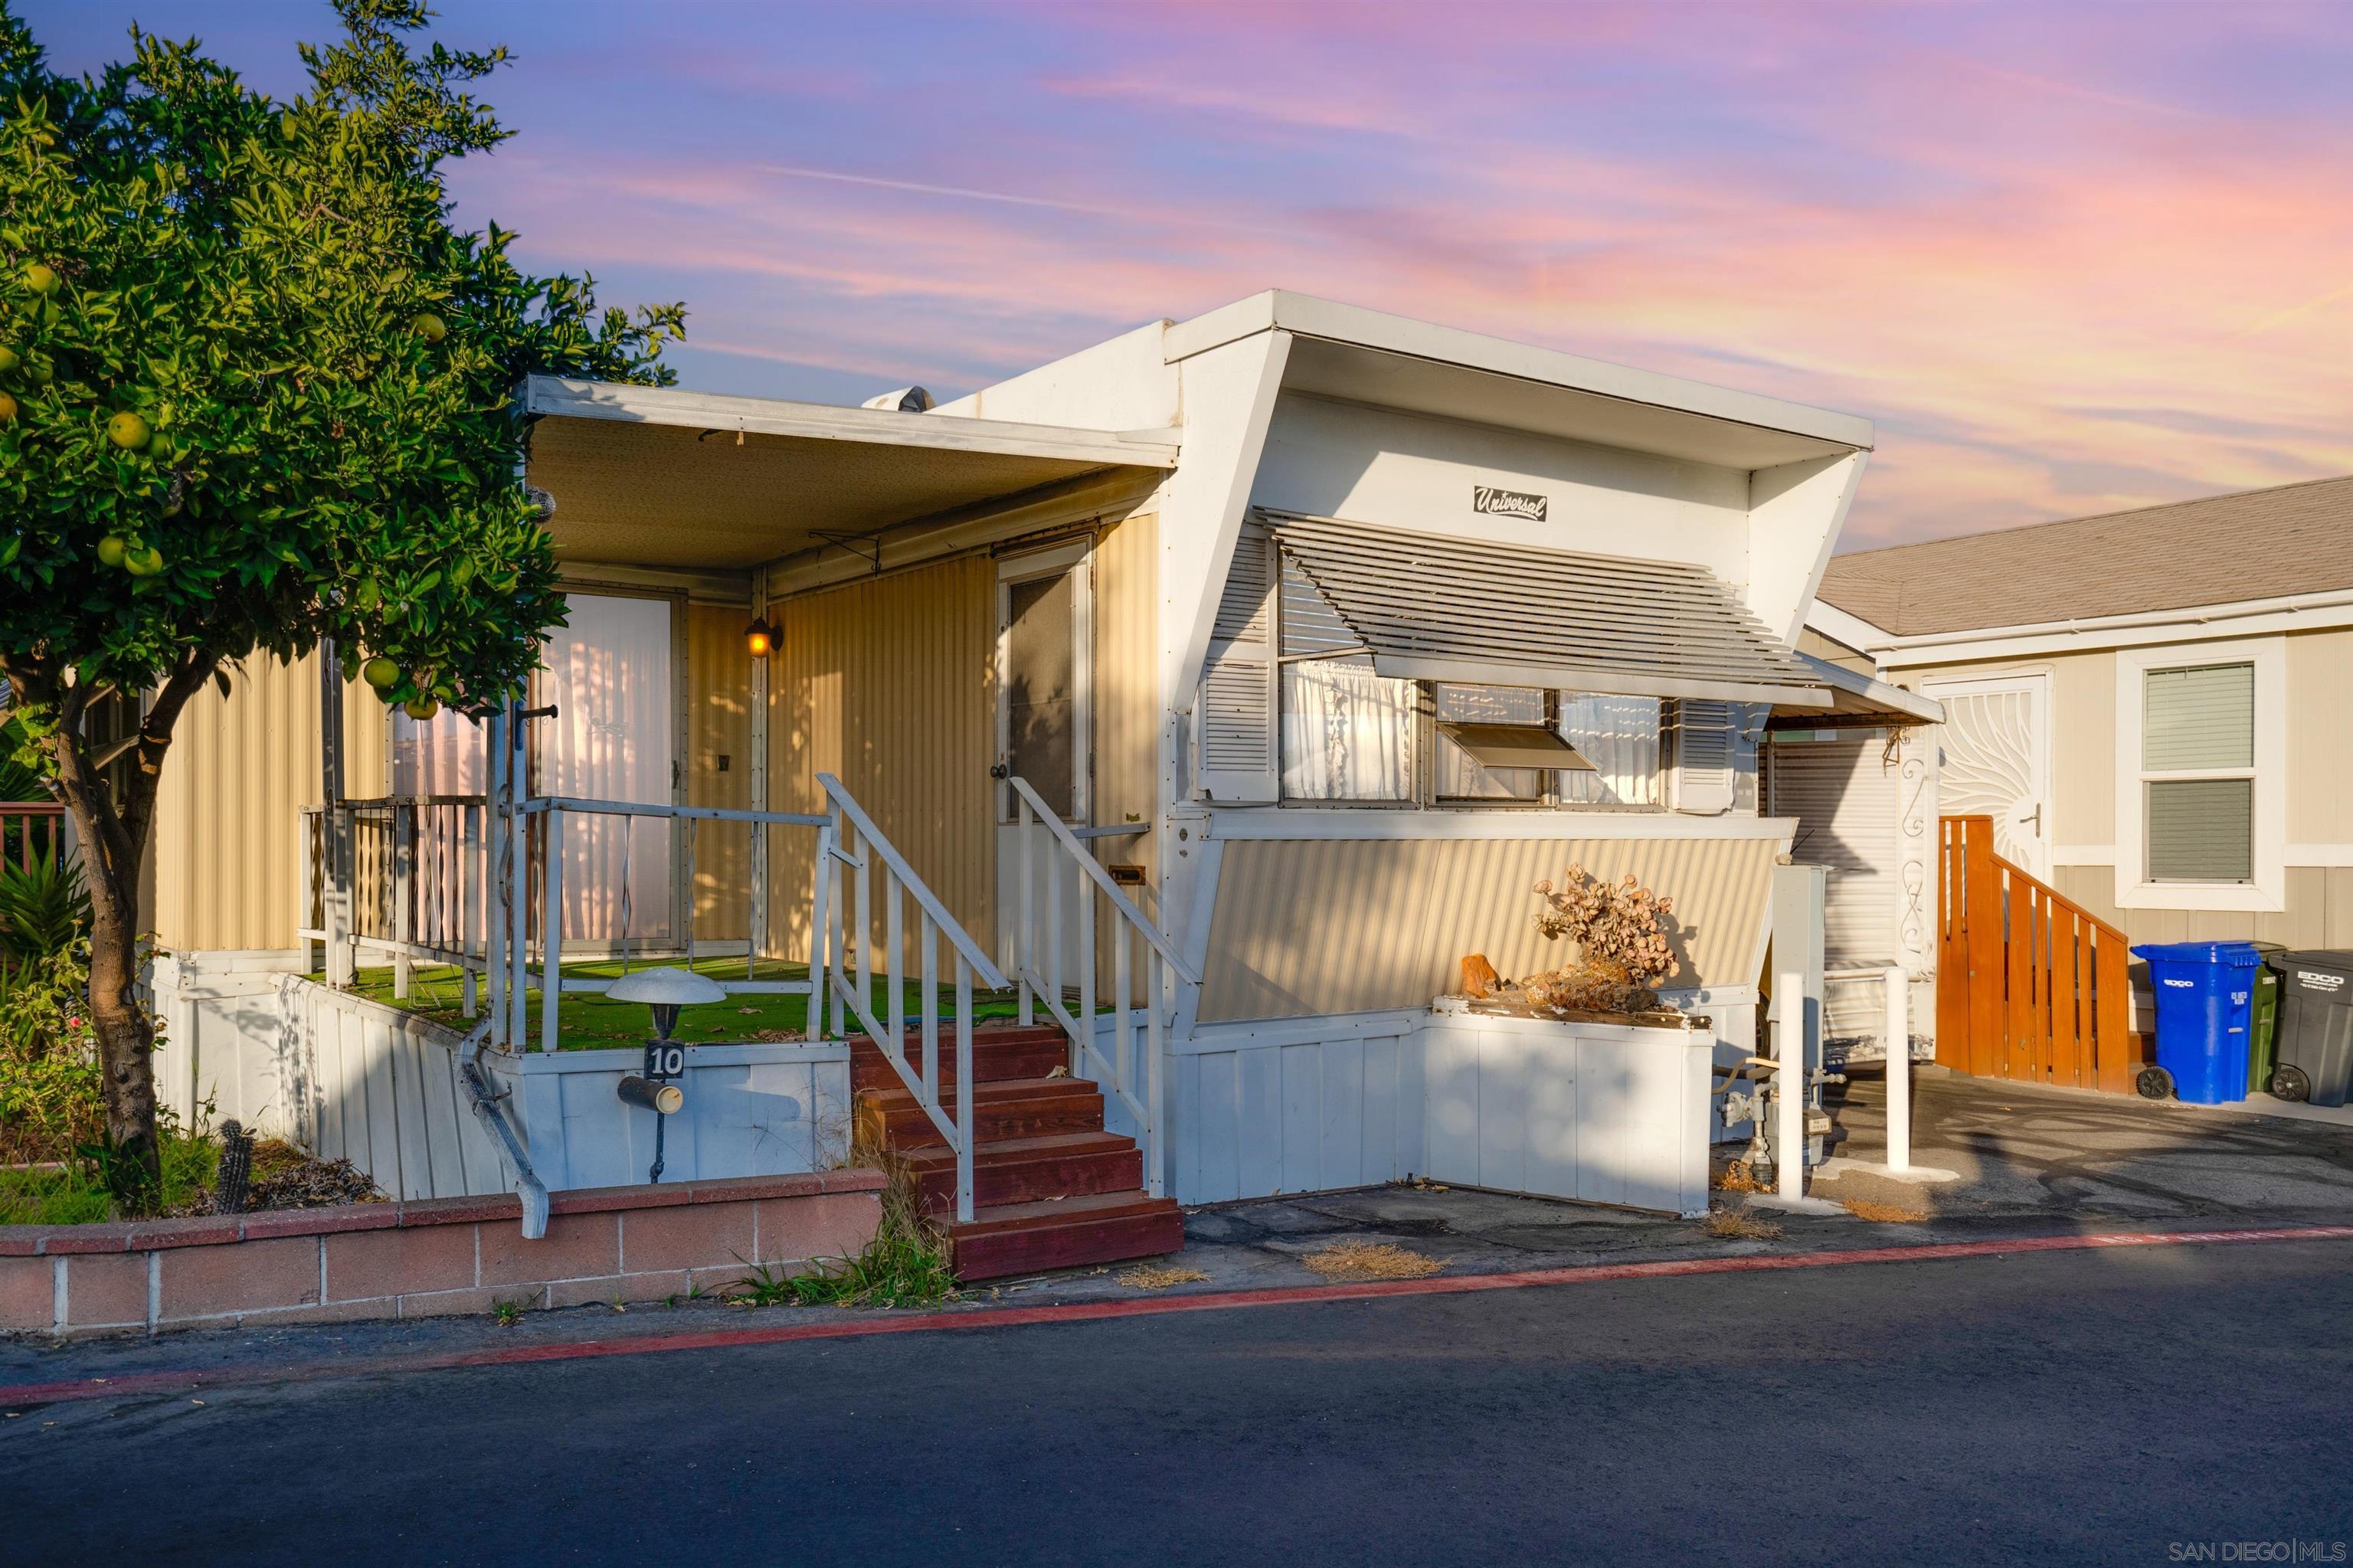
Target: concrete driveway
2026,1152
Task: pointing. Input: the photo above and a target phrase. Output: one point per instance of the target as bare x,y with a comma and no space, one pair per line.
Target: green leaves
243,340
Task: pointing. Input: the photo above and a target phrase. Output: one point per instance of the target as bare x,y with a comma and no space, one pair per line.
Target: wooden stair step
1026,1169
1014,1107
1104,1227
997,1054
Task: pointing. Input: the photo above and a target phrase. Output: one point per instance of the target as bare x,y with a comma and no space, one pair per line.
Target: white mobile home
1215,689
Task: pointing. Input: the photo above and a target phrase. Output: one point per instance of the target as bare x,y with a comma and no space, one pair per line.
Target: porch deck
589,1021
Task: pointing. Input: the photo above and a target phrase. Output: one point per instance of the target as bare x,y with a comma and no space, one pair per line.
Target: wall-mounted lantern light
760,637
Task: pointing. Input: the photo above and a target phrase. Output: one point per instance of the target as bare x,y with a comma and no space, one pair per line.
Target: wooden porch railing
31,830
2030,985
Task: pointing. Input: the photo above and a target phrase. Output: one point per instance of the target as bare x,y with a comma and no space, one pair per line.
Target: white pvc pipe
1789,1084
1899,1069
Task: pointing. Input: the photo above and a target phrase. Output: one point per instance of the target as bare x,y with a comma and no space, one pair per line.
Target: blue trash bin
2205,1003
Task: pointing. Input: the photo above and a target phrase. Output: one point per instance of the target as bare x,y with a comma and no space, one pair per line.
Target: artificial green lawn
589,1022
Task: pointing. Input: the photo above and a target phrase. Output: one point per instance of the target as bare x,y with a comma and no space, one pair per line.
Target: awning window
1433,607
1515,745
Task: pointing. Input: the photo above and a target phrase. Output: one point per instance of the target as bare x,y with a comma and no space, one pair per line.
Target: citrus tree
256,391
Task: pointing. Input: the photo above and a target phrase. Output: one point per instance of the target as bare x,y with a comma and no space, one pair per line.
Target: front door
1994,747
1044,611
611,676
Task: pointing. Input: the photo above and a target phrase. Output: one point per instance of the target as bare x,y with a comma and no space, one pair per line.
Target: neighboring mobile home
2153,709
1321,634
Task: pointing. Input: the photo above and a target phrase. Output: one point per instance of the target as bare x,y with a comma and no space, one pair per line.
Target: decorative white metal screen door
1996,751
613,736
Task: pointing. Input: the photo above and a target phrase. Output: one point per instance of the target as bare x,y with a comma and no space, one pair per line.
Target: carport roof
659,476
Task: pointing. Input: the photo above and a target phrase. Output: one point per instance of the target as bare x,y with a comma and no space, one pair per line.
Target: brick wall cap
460,1210
213,1229
605,1200
331,1219
204,1230
113,1236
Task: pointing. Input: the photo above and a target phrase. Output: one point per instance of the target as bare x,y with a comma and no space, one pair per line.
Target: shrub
1610,922
44,906
49,1063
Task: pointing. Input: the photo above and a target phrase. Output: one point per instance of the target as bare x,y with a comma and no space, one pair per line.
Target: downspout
528,1185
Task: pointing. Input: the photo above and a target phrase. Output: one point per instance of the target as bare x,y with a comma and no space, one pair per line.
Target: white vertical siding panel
1303,1117
1378,1157
383,1106
1259,1117
1340,1162
411,1111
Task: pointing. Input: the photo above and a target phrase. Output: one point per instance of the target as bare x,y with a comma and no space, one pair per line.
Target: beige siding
1836,653
719,727
1305,927
889,684
241,767
1128,697
2319,912
2320,737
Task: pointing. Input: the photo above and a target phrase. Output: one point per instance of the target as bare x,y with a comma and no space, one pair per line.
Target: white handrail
1102,879
1160,961
861,848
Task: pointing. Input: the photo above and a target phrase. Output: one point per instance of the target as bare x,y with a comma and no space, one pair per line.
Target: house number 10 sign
665,1059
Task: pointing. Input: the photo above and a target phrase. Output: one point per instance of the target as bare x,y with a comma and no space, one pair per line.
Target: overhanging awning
1433,607
1857,702
658,476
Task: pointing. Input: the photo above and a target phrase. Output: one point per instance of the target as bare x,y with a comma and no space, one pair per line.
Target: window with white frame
2197,773
2202,776
1344,734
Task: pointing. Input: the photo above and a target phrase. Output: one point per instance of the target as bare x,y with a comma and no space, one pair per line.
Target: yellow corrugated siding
1311,926
889,684
718,725
1128,697
240,768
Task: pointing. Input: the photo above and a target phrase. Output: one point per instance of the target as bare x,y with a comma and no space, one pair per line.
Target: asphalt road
2128,1406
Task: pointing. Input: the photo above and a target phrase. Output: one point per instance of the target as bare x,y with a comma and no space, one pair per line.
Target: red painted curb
1142,1306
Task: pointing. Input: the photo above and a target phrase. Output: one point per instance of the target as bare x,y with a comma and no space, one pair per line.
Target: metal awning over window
1431,607
1857,701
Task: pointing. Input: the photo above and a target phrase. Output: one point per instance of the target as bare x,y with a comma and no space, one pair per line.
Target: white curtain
1347,734
439,755
1620,736
608,675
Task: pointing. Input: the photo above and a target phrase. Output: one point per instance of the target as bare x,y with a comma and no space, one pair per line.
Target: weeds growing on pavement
1370,1260
1733,1224
906,1265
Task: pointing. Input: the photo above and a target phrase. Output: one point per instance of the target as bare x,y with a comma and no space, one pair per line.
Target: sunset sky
2070,257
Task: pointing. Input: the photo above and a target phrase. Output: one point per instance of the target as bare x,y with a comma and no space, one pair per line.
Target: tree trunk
126,1040
114,834
112,862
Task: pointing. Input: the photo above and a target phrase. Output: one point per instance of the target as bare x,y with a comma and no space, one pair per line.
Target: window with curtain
2197,772
1350,736
1347,734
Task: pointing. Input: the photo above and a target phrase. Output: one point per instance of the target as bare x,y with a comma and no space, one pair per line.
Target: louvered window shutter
1235,716
1706,742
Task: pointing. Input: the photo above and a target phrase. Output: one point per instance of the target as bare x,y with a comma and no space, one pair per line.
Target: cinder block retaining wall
427,1256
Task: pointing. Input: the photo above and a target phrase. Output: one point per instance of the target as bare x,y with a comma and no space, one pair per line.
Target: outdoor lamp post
664,992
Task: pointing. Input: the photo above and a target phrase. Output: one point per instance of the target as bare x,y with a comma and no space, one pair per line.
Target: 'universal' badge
1507,502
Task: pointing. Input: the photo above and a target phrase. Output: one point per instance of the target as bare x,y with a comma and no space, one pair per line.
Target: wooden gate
2029,985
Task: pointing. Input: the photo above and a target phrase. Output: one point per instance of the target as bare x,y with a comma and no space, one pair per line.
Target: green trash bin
2263,1024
